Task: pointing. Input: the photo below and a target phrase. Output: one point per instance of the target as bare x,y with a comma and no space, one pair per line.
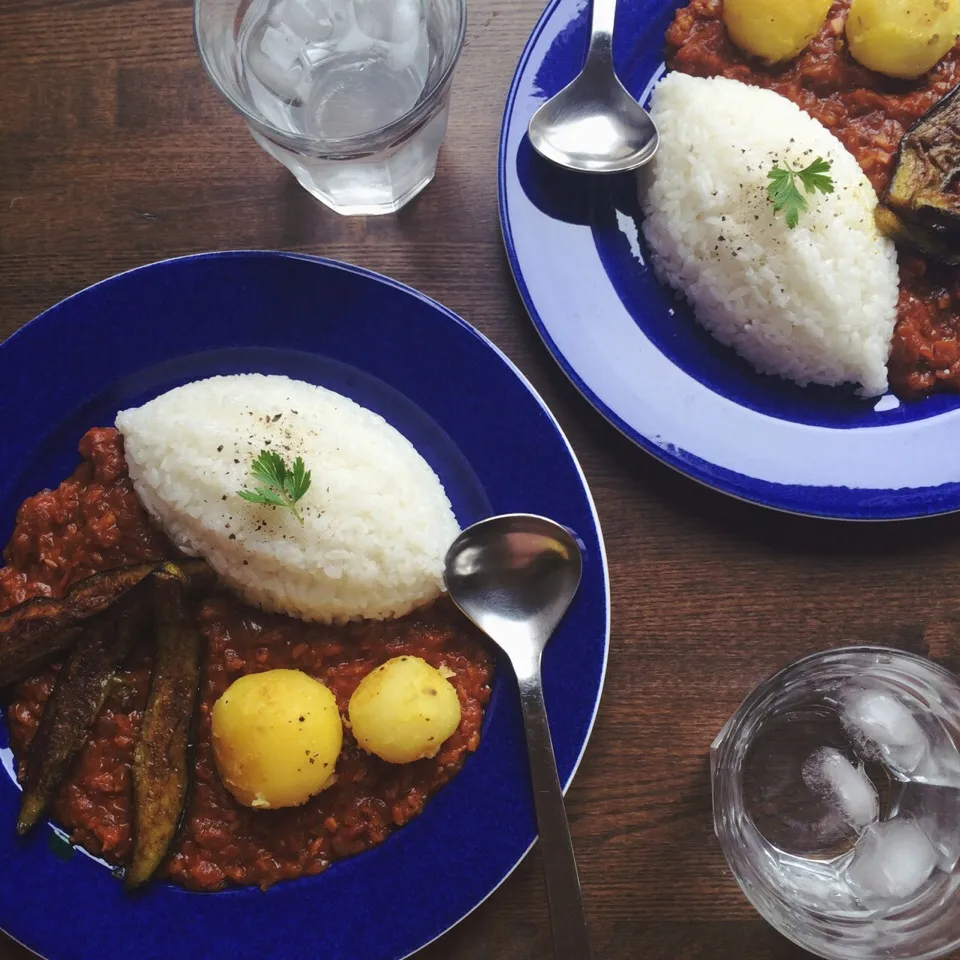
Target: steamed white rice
816,304
377,522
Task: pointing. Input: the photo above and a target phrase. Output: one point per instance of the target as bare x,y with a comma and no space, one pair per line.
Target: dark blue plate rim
833,502
549,423
506,230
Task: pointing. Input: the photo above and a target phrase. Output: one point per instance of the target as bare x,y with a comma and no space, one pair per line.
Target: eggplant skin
922,190
195,574
39,628
77,698
932,242
161,763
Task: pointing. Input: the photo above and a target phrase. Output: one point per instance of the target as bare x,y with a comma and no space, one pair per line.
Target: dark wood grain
115,151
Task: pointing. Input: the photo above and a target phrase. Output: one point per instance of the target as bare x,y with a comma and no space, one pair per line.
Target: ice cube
936,810
357,42
403,56
399,28
392,21
341,13
884,728
312,20
281,46
940,764
817,884
892,861
313,54
283,84
273,59
828,773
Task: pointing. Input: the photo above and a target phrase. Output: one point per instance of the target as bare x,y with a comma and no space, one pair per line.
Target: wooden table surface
115,151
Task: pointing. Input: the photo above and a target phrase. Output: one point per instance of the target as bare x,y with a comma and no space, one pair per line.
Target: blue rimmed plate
497,449
633,349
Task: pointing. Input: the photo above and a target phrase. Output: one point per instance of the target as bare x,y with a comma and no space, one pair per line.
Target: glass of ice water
836,800
351,95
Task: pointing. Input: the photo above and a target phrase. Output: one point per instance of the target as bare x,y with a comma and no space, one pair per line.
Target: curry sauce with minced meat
94,521
869,114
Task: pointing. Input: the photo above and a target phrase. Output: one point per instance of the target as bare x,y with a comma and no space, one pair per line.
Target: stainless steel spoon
514,576
593,125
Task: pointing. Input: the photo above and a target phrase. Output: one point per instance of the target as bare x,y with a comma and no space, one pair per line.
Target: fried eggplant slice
39,628
934,242
78,695
923,191
161,762
928,161
194,573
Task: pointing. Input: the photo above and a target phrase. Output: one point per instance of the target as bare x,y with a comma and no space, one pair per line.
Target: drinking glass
836,800
351,95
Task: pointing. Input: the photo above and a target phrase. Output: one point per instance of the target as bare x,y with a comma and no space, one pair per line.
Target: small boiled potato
902,38
774,30
404,710
276,738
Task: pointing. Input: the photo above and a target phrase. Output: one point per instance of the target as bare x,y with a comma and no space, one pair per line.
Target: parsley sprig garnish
785,193
280,486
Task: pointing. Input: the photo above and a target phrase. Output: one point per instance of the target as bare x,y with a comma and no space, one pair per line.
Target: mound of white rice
377,523
815,304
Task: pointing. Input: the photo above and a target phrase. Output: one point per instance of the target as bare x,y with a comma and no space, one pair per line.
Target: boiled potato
774,30
902,38
276,738
404,710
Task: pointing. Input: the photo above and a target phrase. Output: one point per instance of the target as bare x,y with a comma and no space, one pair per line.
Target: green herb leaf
280,486
785,195
816,176
301,478
269,468
263,495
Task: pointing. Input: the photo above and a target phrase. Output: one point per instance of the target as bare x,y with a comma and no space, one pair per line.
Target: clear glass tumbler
836,800
351,95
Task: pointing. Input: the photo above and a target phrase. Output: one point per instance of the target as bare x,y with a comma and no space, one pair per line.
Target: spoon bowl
593,125
515,576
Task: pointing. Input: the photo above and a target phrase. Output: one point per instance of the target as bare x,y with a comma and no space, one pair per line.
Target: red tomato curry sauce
869,114
93,522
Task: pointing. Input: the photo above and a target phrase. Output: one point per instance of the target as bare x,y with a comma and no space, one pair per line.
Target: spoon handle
600,52
568,920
